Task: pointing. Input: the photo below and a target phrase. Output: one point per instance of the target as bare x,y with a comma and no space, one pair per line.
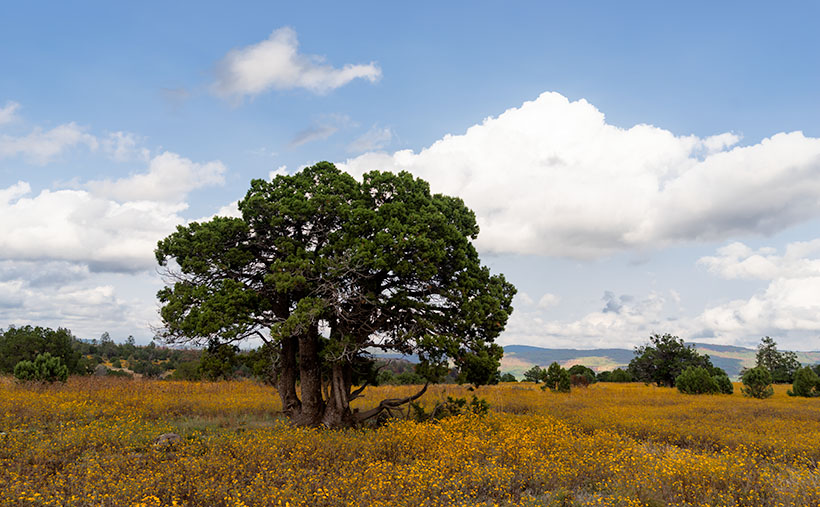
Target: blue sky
635,168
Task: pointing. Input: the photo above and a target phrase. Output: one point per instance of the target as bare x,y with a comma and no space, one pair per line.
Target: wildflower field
91,442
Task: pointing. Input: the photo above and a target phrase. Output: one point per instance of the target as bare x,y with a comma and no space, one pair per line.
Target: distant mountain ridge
520,358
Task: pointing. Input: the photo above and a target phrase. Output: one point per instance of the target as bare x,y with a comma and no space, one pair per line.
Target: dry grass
89,442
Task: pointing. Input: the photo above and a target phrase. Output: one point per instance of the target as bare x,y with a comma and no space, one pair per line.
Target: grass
90,442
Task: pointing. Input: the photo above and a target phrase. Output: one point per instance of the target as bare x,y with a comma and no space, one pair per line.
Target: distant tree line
665,360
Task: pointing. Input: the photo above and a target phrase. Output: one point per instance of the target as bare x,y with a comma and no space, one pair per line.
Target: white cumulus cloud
169,179
276,63
552,177
789,304
110,225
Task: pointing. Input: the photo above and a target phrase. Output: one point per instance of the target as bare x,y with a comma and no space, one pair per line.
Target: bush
619,375
584,371
805,383
507,377
451,407
696,380
44,368
725,385
757,383
557,379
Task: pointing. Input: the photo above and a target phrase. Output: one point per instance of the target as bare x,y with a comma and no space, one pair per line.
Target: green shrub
620,375
806,383
557,379
696,380
450,408
44,368
725,385
507,377
757,383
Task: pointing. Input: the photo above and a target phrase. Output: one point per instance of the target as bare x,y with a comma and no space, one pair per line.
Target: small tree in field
44,368
757,383
534,374
663,359
806,383
557,379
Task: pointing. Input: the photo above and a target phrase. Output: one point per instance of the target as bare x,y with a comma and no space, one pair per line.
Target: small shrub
757,383
44,368
696,380
580,369
805,383
450,408
557,379
620,375
725,385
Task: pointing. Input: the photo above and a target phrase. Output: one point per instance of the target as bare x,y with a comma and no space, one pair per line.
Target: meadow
91,442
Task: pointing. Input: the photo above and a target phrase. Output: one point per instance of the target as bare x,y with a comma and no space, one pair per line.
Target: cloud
77,226
169,179
325,127
374,139
788,305
61,294
552,177
8,113
313,133
276,63
41,146
632,323
111,226
282,170
124,146
548,300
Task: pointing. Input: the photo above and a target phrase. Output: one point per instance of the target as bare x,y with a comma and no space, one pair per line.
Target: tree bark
310,377
286,382
337,413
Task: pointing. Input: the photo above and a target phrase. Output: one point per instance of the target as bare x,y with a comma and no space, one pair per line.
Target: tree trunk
286,382
310,377
337,413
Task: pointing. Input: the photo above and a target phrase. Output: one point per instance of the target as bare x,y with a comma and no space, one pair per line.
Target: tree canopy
782,365
664,358
324,269
27,342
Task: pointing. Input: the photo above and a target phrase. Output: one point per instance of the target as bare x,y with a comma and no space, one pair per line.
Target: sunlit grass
90,442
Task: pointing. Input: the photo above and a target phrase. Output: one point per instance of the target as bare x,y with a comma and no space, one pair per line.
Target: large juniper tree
324,268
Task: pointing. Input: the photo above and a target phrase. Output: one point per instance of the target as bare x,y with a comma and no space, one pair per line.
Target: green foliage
806,383
696,380
534,374
187,370
218,361
451,407
616,375
663,359
556,378
757,383
27,342
581,375
725,385
782,365
380,263
44,368
507,377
